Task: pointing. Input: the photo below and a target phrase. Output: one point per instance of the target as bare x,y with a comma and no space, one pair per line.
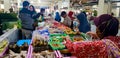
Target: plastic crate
56,37
83,35
59,47
21,42
51,35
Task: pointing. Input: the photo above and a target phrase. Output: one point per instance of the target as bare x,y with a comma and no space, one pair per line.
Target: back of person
57,17
84,25
107,25
107,28
27,21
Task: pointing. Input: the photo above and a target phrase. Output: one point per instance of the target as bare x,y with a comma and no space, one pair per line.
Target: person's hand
35,24
66,39
93,35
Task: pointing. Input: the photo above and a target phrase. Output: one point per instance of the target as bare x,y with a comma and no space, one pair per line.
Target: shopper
107,28
32,9
58,17
67,21
11,10
33,13
84,13
71,15
26,20
84,25
40,16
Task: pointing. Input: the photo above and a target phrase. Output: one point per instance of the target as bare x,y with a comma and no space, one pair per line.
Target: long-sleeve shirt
67,21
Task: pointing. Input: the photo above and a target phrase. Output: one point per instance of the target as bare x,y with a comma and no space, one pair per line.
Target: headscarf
84,13
57,17
84,25
107,25
70,14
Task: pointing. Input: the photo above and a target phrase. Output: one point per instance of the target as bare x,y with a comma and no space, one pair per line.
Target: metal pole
109,6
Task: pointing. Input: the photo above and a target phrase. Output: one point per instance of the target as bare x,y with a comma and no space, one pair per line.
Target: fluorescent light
31,2
2,6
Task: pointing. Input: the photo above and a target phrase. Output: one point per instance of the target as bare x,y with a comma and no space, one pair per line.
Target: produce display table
52,39
48,40
5,39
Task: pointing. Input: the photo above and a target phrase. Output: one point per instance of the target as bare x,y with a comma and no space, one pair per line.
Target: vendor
107,28
67,21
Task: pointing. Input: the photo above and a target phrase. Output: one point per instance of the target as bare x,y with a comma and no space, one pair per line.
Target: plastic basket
51,35
59,47
83,35
56,37
21,42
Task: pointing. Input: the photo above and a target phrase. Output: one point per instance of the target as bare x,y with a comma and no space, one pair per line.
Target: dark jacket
1,32
27,20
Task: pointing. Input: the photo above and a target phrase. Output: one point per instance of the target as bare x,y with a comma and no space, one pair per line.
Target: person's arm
69,22
87,48
93,35
36,16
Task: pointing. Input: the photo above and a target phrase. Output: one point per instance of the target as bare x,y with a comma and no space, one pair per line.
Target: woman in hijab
71,15
57,17
107,28
84,25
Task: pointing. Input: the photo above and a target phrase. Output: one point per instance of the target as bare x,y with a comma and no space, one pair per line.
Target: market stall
52,39
48,38
5,39
11,46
